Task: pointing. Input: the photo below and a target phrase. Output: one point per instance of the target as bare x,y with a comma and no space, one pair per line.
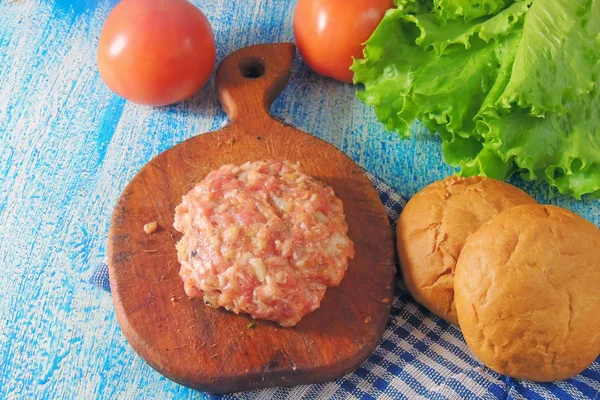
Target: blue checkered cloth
420,356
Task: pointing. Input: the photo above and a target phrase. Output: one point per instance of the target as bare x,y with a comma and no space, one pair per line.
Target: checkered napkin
420,356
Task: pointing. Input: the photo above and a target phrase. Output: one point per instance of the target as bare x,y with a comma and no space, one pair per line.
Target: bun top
433,228
528,293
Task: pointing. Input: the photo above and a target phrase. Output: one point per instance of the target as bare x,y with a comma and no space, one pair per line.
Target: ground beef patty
262,238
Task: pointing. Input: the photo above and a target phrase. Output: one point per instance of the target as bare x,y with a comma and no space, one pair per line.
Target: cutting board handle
250,79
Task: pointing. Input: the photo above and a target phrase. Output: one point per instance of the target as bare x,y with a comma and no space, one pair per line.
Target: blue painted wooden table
68,146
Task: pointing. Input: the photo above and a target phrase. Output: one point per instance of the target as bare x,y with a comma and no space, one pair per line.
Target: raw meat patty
262,238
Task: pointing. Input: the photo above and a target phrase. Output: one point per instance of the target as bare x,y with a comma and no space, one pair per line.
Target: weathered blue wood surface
67,148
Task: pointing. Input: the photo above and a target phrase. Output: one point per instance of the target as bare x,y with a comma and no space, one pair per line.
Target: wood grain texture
214,350
67,149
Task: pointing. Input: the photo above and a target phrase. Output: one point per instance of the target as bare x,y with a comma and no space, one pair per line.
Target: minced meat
264,239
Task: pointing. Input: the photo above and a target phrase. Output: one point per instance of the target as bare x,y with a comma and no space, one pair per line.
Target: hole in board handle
252,68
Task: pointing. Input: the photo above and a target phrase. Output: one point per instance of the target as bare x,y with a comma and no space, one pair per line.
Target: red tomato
330,32
156,52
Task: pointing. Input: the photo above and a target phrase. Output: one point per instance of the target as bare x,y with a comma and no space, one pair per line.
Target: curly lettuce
510,86
468,9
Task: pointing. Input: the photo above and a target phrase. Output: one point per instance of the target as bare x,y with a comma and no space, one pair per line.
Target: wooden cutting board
215,350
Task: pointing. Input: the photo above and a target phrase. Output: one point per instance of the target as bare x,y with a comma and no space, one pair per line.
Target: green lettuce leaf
563,149
414,6
468,9
557,57
423,78
511,89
